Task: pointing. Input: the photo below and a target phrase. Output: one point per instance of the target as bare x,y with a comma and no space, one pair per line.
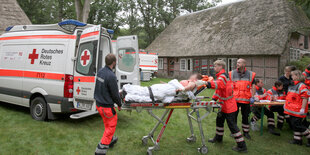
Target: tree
305,5
82,10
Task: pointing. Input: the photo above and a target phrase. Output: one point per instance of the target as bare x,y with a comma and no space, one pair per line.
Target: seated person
277,93
262,95
164,92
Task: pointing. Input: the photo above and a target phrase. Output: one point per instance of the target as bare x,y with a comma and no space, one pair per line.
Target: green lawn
20,134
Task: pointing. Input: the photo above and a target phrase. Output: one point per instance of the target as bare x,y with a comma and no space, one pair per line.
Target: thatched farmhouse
267,33
11,14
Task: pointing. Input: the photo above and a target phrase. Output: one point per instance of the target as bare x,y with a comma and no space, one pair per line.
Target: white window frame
182,69
160,63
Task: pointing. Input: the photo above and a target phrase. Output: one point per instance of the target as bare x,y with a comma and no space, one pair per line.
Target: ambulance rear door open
127,51
85,71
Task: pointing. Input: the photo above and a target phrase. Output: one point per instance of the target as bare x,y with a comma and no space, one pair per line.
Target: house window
294,54
232,63
186,64
182,64
160,63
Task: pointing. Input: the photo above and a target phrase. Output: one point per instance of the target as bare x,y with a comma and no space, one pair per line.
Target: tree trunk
86,9
78,9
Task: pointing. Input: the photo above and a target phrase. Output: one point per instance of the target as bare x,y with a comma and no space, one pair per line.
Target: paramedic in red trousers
296,106
223,93
244,91
106,94
306,73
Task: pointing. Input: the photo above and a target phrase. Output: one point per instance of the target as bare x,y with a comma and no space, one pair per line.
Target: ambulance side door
127,52
86,68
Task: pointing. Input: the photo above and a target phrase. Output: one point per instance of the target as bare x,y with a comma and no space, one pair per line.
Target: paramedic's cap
109,59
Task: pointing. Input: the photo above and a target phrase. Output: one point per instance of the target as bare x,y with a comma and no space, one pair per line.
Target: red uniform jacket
274,92
294,99
306,73
224,92
260,92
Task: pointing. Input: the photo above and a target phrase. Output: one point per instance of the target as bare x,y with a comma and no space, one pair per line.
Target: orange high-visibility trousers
109,121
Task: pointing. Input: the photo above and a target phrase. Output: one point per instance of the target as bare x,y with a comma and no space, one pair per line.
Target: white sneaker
254,126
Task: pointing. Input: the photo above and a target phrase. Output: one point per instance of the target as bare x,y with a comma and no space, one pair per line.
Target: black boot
101,149
308,144
216,139
271,130
280,126
113,141
297,142
247,135
241,147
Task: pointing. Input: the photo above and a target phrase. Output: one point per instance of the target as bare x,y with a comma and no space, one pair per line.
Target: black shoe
247,136
215,140
296,142
273,132
101,149
113,141
308,144
279,126
240,149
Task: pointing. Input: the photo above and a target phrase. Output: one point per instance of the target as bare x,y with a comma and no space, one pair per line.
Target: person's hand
252,100
200,82
302,111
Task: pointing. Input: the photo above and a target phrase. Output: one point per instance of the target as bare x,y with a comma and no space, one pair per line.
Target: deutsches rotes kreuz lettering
47,56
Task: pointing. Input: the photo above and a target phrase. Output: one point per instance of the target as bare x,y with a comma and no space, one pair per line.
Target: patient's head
195,77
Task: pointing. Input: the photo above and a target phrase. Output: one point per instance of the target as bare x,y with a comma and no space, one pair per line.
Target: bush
302,63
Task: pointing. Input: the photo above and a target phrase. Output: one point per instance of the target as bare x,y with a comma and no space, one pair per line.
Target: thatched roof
251,27
11,14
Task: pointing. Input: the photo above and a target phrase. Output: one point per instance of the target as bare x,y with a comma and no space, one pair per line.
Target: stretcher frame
194,105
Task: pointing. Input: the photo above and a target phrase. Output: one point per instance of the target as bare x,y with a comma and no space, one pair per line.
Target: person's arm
253,90
190,86
112,84
304,96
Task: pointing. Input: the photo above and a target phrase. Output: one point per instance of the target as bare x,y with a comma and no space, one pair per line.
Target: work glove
302,111
200,82
252,100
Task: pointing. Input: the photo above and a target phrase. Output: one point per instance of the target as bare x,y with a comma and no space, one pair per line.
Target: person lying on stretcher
164,92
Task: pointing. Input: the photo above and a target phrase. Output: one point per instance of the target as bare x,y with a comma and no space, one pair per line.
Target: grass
20,134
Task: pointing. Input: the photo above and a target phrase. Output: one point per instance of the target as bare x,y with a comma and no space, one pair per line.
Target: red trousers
109,121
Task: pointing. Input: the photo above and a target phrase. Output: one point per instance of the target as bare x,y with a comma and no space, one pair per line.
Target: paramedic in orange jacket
277,93
296,106
261,94
223,93
244,91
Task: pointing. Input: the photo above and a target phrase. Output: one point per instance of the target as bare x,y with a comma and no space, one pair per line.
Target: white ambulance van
52,68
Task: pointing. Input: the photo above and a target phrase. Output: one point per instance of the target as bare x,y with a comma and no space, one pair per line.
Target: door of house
170,66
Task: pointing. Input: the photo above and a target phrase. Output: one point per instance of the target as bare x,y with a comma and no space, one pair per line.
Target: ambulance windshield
126,59
86,60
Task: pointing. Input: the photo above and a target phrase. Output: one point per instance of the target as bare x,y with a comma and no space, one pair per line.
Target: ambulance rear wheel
38,109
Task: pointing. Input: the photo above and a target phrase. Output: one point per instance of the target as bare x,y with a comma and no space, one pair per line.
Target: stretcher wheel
149,152
191,139
203,149
144,140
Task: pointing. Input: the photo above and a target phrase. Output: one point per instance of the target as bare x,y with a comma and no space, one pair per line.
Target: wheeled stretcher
195,105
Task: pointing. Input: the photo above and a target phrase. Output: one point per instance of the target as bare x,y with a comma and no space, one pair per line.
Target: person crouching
223,93
296,106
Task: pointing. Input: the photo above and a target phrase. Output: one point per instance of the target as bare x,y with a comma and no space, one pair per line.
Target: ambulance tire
38,109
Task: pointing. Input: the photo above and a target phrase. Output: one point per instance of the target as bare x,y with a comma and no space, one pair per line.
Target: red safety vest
224,92
306,73
294,99
274,92
242,85
260,92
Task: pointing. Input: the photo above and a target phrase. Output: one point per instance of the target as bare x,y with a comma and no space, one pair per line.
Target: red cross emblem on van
85,57
33,56
78,90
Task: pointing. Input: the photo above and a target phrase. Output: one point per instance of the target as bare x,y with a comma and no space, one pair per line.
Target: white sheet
162,92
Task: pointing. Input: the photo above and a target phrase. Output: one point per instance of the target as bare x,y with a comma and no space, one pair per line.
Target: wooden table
262,111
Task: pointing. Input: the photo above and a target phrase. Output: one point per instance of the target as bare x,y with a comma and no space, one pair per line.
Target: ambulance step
83,114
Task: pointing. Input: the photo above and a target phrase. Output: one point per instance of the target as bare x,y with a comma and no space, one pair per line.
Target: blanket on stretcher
165,93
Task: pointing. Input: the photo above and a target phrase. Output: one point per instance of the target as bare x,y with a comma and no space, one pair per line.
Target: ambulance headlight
70,24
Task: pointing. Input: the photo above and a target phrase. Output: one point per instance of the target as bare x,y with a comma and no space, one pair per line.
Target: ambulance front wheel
38,109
